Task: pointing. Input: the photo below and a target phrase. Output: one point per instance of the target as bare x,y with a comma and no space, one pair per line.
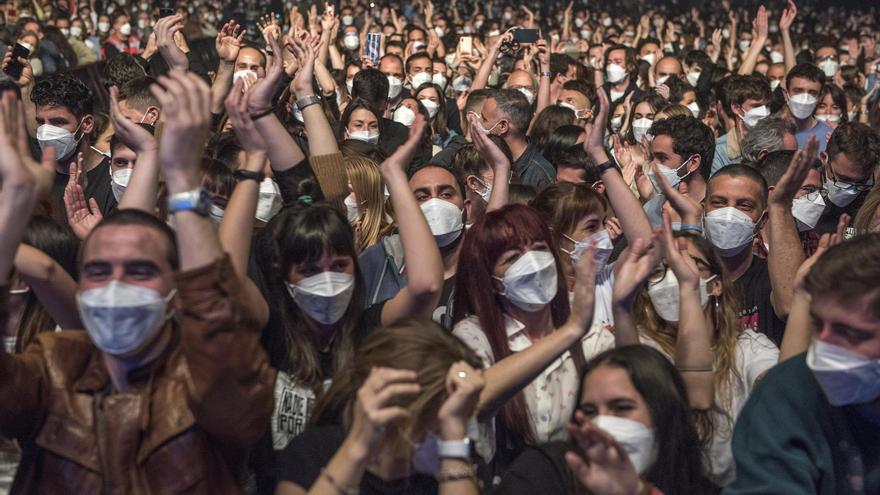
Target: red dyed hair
512,227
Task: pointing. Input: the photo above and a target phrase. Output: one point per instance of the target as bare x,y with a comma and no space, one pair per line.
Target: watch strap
454,449
248,175
302,103
196,201
606,166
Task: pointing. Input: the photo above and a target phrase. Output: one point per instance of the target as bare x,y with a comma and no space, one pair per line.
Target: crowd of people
606,248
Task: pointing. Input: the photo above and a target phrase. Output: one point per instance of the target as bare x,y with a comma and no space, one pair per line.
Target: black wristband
248,175
600,169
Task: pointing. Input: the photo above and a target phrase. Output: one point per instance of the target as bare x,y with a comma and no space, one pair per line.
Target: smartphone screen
525,35
165,12
374,41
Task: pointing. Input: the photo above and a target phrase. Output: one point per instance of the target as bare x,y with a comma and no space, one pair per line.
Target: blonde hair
366,182
672,111
725,332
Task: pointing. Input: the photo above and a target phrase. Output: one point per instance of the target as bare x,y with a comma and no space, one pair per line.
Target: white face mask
615,73
635,438
431,106
103,27
421,78
461,83
662,80
693,78
650,59
528,93
65,32
671,175
122,318
143,23
802,105
606,21
666,297
445,220
729,230
578,114
828,118
482,128
349,83
845,377
439,80
616,123
776,57
351,208
76,31
63,140
744,45
829,67
125,29
841,193
347,20
405,116
604,247
324,297
269,202
755,115
694,107
531,282
807,210
640,128
351,41
486,193
366,136
775,84
119,181
395,86
247,75
578,22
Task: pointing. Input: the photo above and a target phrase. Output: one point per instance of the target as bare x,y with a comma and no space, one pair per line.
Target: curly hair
66,91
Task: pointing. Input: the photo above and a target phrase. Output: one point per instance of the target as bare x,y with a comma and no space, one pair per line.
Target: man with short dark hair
137,103
802,87
507,113
562,70
121,39
745,102
64,113
851,160
812,425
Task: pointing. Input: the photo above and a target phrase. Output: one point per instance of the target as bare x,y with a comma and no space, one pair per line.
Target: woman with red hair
512,308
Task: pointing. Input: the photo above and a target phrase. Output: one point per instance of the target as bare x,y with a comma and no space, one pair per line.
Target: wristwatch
196,201
248,175
301,104
454,449
546,74
605,166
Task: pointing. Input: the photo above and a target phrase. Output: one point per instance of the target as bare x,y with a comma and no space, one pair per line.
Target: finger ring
462,374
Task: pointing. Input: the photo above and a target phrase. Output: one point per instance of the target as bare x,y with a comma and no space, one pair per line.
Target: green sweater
789,440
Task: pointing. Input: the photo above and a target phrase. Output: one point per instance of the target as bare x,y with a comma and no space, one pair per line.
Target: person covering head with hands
147,328
399,419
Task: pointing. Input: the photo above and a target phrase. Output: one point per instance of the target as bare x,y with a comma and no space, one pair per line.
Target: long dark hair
301,234
679,467
438,123
357,105
498,231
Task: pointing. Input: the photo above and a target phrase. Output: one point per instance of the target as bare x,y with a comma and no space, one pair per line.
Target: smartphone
466,45
15,67
525,35
371,50
165,12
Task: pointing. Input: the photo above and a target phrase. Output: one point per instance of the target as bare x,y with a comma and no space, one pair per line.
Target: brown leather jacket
182,429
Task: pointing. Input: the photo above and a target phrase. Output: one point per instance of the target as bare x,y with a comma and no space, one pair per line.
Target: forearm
284,153
237,226
543,92
751,58
14,207
221,86
322,141
788,49
142,189
626,206
693,349
53,286
482,78
784,258
325,80
625,332
30,110
196,242
346,468
465,486
509,376
798,329
336,60
500,195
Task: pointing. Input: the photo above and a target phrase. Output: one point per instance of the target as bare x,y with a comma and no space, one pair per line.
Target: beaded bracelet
468,473
344,490
690,228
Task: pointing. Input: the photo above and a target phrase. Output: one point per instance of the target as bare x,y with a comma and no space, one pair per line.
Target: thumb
93,205
48,159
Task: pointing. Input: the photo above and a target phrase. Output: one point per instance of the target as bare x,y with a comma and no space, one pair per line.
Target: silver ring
462,374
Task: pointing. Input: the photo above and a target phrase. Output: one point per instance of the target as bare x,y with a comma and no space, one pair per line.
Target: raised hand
760,24
260,95
374,410
186,103
130,134
401,157
606,468
305,50
242,124
81,217
687,208
168,30
27,72
788,16
16,164
683,266
268,24
594,145
798,169
228,42
634,271
584,290
463,387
